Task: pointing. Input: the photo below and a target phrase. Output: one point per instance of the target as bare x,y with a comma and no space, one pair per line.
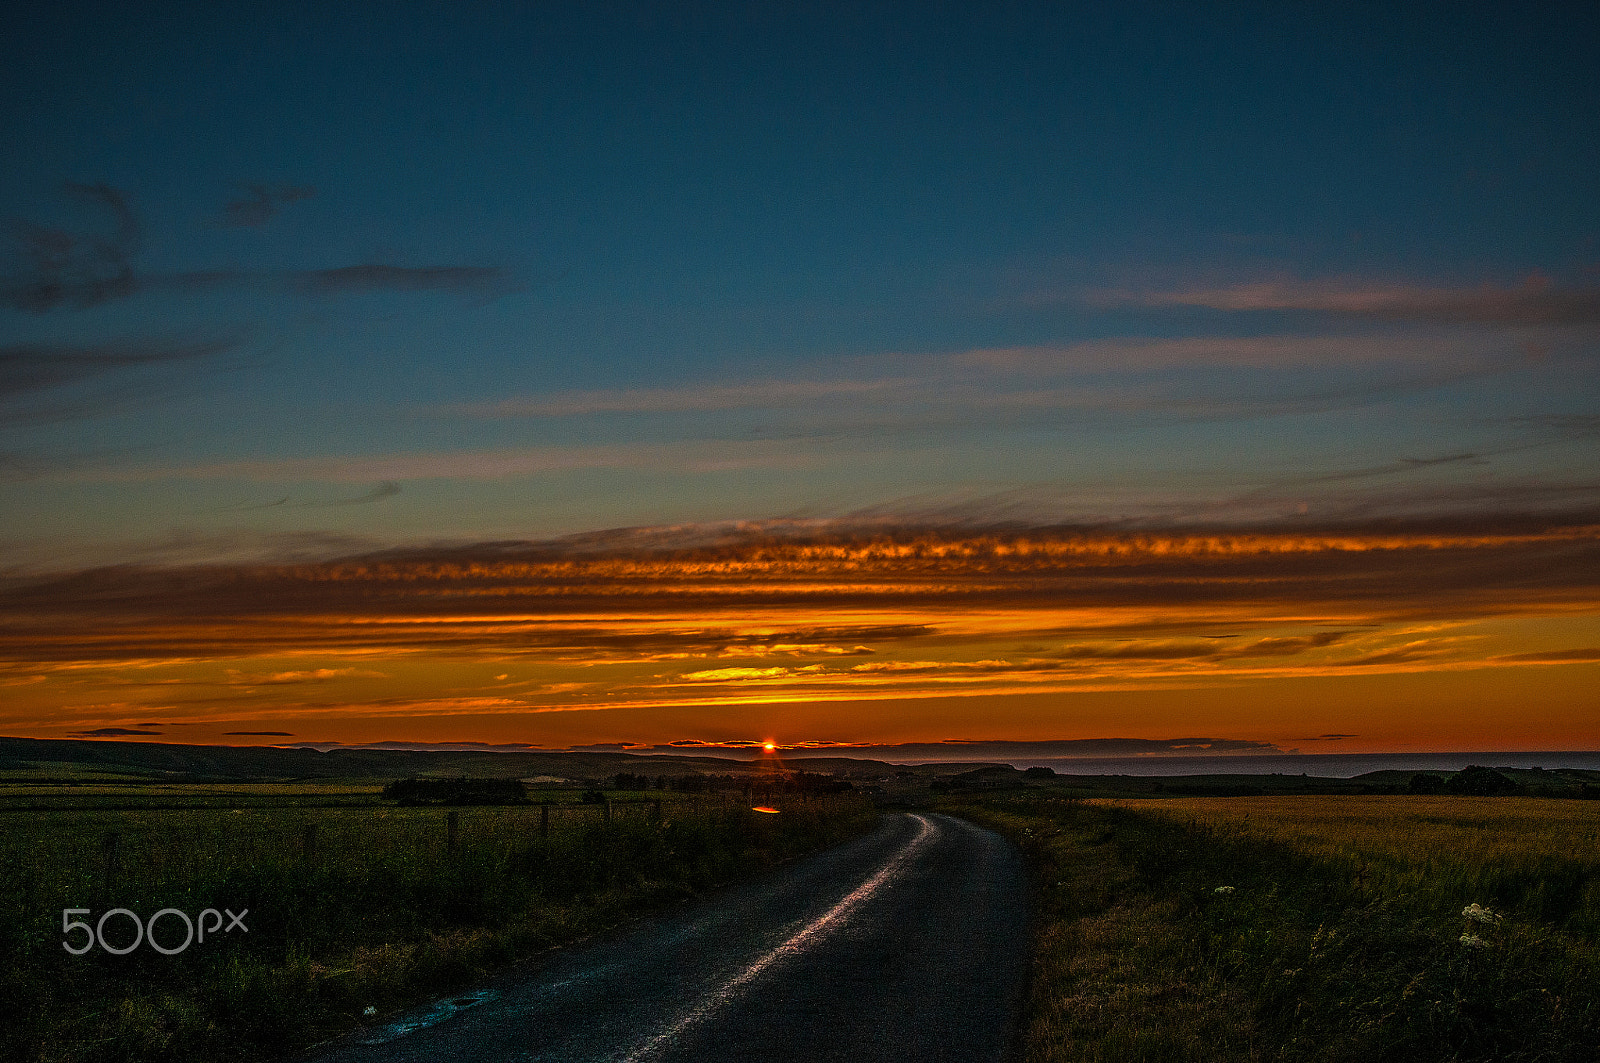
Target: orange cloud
735,618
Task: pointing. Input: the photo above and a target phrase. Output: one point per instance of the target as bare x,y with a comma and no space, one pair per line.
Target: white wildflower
1223,889
1473,941
1479,914
370,1011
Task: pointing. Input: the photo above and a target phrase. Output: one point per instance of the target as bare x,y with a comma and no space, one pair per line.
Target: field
1325,928
1309,927
353,904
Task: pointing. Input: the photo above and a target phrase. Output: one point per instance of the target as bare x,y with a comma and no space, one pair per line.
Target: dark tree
461,791
1481,782
1425,784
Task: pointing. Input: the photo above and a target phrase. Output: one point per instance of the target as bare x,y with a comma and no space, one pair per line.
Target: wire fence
98,856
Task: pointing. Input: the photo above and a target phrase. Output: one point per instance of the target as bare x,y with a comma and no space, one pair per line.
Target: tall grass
1309,928
378,910
1539,859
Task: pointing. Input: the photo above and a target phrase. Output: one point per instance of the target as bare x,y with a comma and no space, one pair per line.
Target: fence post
544,819
112,841
608,811
308,842
655,811
451,822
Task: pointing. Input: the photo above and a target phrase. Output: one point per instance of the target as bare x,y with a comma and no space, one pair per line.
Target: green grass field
1326,928
350,907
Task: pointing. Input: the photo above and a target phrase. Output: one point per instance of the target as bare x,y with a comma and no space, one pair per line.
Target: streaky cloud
114,732
696,594
1092,375
1537,301
80,268
387,489
259,204
687,456
83,268
757,395
27,368
378,277
1574,656
957,750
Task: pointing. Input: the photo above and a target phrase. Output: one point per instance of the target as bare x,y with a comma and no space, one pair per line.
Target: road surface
907,944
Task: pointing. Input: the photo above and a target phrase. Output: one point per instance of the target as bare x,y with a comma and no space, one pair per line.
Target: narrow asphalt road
907,944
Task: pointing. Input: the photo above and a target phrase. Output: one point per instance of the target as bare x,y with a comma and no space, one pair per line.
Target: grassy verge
378,910
1309,928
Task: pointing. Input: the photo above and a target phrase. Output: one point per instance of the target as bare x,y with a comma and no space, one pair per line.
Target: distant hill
270,763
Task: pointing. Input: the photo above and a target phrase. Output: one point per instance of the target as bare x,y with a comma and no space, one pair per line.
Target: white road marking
808,936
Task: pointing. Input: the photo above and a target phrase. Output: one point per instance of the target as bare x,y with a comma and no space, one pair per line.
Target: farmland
1304,925
353,903
1309,927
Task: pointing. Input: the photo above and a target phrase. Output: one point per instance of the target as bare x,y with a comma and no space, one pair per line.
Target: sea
1324,765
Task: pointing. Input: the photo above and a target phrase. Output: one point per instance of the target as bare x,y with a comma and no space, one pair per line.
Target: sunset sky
1224,376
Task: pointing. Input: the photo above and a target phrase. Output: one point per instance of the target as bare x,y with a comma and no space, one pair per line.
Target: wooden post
308,842
112,842
608,810
451,822
544,820
655,811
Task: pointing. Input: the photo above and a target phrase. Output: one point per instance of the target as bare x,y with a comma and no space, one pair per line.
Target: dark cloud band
640,598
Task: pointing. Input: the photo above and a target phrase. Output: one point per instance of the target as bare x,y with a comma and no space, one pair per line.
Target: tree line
697,783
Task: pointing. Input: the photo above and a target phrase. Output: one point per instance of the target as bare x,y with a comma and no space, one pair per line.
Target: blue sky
410,273
716,373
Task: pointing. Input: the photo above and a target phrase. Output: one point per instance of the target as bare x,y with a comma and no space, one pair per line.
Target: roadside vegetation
1309,928
354,912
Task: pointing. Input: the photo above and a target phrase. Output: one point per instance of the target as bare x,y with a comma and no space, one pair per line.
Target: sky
1216,377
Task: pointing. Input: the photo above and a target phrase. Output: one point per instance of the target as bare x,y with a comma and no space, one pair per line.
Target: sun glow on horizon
955,639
